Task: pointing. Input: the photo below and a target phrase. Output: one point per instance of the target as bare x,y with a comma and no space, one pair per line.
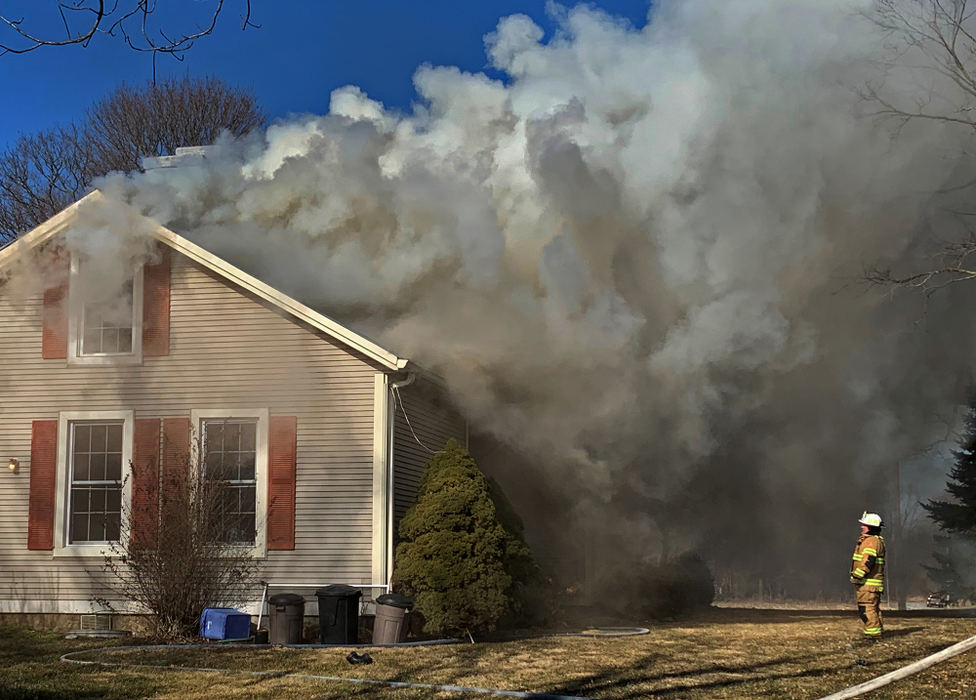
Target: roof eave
60,221
45,231
265,291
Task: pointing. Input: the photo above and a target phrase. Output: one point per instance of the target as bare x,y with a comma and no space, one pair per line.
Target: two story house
323,432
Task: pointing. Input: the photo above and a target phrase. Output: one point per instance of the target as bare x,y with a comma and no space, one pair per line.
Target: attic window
106,324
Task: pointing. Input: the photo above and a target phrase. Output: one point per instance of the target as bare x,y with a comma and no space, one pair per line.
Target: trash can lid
338,590
287,599
396,600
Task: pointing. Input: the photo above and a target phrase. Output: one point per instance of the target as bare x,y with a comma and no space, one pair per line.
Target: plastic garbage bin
391,613
286,618
338,614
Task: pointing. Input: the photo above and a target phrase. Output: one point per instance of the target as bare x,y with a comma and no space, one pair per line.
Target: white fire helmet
870,519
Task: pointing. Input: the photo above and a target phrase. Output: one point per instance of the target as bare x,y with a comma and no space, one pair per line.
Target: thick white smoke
636,260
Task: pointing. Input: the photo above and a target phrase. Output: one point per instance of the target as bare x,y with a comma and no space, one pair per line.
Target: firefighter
867,573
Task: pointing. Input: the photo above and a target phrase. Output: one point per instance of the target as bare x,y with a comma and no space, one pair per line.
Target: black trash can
287,618
338,614
391,613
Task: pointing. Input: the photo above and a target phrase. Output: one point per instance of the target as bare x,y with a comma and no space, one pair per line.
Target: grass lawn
721,653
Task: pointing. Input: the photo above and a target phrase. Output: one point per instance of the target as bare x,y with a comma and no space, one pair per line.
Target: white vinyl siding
434,421
228,350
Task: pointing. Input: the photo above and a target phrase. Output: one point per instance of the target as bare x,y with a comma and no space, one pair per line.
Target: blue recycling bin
225,624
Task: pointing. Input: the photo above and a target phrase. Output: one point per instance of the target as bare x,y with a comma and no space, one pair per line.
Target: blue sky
302,51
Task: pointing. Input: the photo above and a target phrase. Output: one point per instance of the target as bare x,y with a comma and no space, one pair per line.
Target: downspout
391,491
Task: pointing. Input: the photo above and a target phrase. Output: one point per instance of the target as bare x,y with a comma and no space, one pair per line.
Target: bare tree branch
132,20
951,266
938,32
930,76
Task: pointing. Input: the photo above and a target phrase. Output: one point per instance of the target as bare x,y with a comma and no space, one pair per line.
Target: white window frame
76,319
62,524
261,415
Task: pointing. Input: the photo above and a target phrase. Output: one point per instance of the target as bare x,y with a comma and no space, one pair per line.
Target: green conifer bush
956,517
456,559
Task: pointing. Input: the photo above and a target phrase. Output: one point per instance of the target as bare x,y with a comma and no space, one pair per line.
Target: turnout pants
869,608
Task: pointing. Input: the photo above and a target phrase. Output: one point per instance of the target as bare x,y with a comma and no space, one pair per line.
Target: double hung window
230,451
233,459
92,496
95,501
105,325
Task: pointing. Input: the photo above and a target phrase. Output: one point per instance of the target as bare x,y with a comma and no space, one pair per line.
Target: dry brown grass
724,653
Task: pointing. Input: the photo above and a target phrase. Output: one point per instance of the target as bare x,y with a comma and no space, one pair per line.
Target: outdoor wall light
14,465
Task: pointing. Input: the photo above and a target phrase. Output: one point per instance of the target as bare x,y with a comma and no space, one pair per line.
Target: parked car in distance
938,600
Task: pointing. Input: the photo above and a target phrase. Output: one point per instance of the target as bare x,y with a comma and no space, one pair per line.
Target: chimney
185,155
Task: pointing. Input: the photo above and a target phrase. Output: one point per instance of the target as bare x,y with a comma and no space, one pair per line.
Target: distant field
722,653
913,604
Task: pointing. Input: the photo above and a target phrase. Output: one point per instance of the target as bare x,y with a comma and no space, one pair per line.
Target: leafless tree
136,22
932,43
43,173
40,175
154,120
948,266
930,77
185,562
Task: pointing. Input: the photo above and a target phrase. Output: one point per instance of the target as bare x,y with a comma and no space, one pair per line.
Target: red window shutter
43,480
145,482
54,336
155,305
176,462
282,451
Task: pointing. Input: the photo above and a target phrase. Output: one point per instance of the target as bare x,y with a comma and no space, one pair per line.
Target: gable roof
61,221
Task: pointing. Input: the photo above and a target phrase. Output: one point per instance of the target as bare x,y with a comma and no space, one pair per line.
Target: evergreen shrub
460,564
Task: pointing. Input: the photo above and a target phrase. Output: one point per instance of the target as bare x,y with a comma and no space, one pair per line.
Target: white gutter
391,500
320,584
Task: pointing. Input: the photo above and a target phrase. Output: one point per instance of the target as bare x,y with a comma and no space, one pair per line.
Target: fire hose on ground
905,671
71,658
852,692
